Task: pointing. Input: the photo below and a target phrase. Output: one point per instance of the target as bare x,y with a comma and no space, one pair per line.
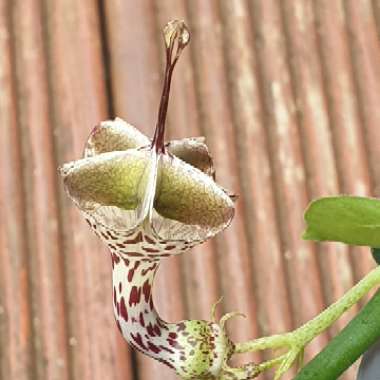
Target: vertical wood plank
287,163
16,330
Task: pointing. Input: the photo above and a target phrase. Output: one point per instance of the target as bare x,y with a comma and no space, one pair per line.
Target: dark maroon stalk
175,34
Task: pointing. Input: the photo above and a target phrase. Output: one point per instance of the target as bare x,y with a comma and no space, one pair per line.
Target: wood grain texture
286,94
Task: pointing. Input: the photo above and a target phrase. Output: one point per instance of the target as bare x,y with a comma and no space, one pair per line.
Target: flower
126,180
148,199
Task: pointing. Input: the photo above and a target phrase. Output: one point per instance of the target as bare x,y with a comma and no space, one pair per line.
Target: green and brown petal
117,135
121,178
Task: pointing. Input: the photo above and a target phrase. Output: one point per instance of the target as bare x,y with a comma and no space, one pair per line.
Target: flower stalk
176,37
296,340
343,350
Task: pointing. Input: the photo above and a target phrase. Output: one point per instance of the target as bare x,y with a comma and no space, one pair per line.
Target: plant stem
307,332
272,342
317,325
356,338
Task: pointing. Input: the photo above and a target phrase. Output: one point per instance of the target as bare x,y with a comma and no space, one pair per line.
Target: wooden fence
287,93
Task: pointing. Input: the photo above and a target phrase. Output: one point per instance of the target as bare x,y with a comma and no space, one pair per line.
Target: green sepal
347,219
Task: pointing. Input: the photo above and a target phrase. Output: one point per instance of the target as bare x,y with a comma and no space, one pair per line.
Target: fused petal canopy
122,181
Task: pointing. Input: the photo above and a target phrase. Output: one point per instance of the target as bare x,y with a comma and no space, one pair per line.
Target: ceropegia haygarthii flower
147,199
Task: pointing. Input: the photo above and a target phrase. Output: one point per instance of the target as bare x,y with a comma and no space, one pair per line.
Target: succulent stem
296,340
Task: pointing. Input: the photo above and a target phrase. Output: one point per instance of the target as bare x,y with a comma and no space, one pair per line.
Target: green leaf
346,219
376,254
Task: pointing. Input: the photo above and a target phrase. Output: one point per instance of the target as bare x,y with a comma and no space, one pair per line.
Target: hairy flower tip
122,182
176,30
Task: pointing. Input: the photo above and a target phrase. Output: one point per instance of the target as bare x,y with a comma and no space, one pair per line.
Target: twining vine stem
299,338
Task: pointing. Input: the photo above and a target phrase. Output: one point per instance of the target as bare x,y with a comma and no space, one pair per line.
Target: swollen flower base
147,200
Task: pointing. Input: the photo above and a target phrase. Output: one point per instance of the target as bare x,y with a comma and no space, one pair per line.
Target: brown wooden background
286,92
